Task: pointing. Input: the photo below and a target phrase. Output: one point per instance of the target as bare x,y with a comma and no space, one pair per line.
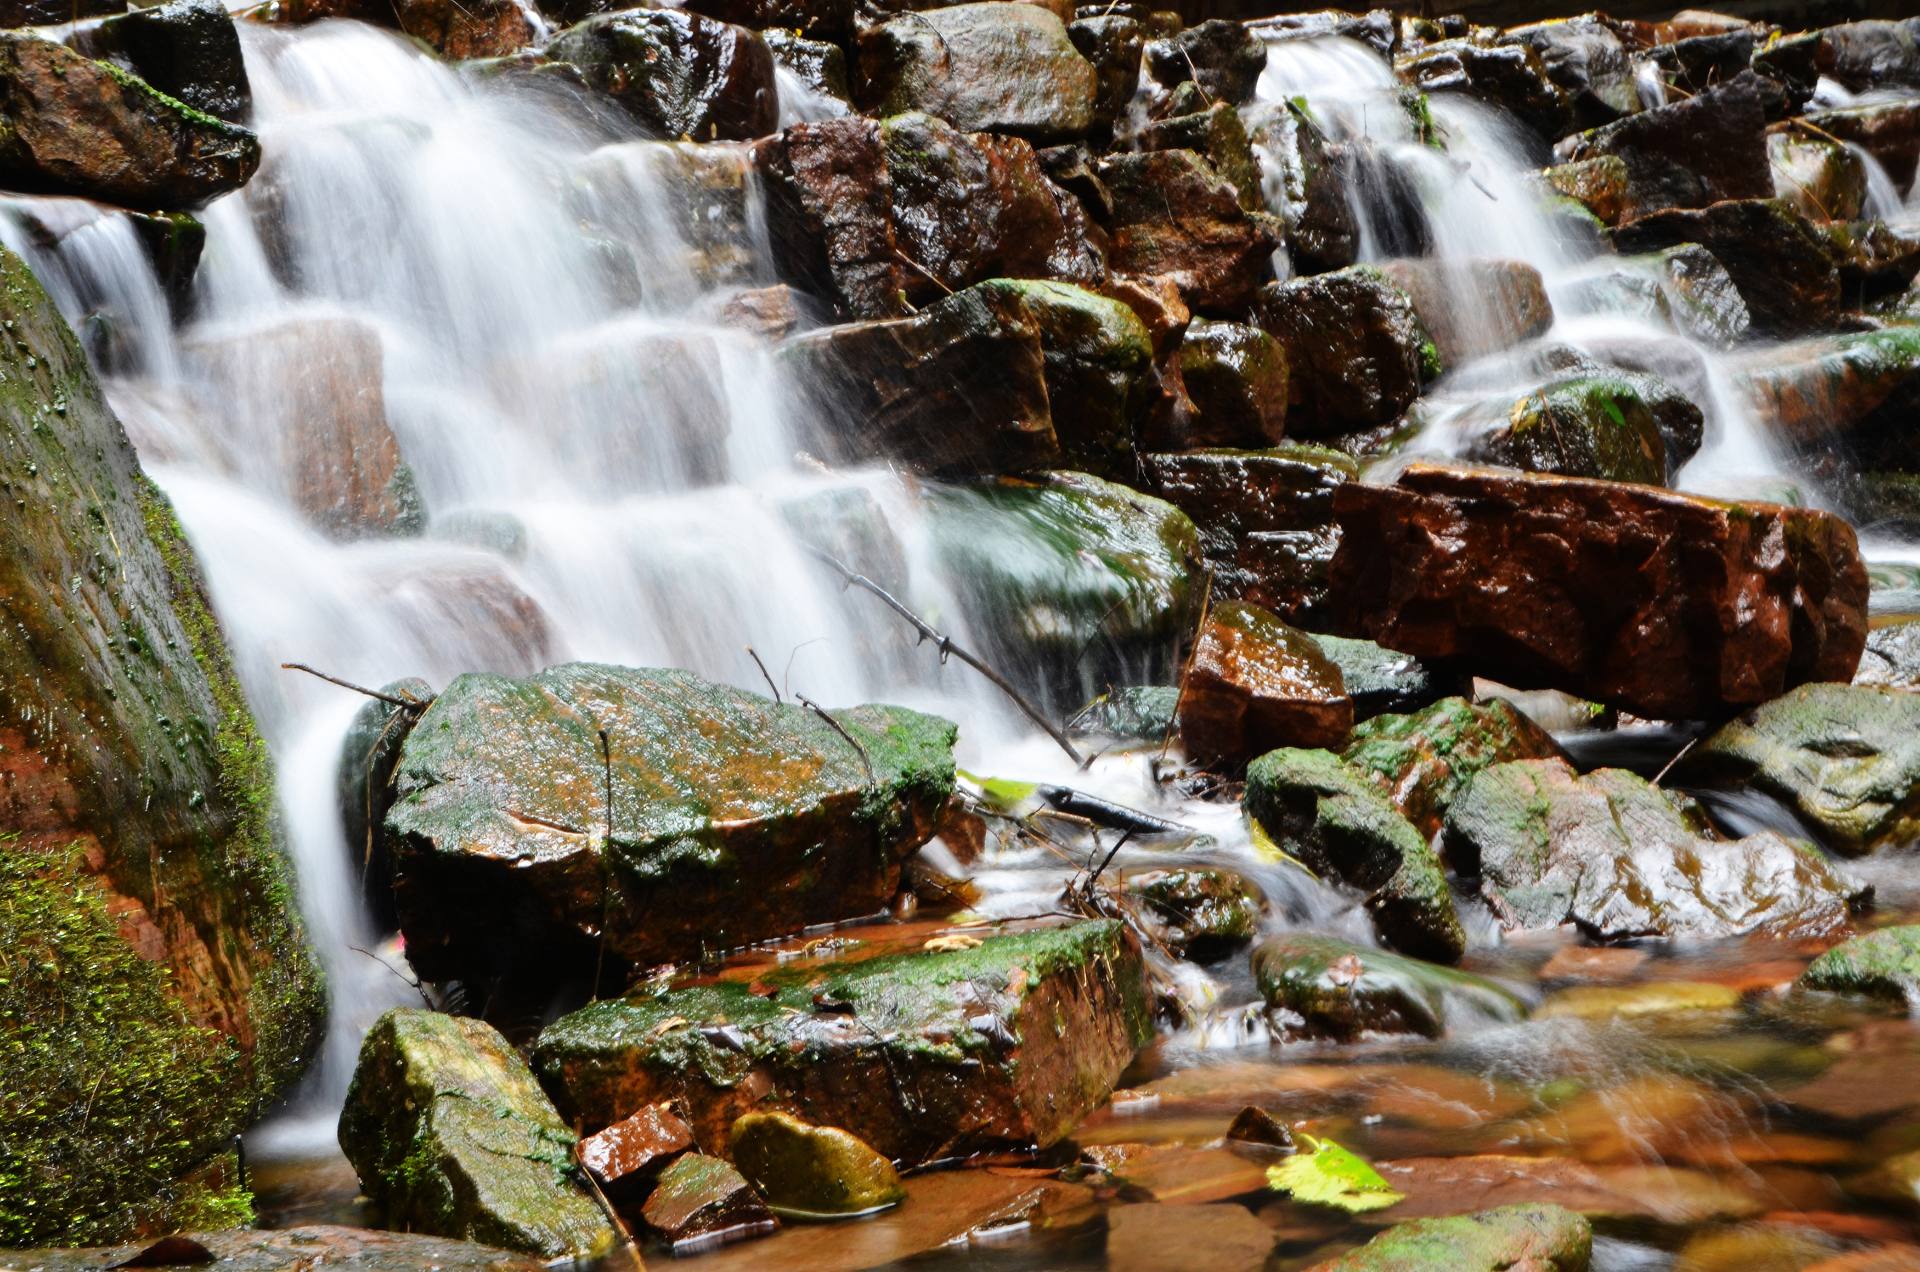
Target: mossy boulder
817,1171
677,73
1253,683
1340,822
924,1056
1539,1237
733,818
1201,913
1621,858
1845,758
451,1136
1236,378
1008,68
1323,987
1882,964
188,49
1425,758
1356,349
1583,425
1861,387
76,126
164,996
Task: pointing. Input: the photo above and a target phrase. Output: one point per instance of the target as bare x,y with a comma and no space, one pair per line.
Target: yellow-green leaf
1329,1175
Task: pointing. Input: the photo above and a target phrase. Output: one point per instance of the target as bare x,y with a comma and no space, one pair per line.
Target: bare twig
922,270
1679,755
764,674
405,704
1094,878
1206,608
946,648
836,726
627,1243
412,984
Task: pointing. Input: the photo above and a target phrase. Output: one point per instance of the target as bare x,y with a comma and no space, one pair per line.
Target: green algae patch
451,1136
1426,757
1537,1236
926,1055
813,1171
1882,964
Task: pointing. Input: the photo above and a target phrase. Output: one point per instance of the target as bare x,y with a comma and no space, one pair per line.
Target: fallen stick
405,704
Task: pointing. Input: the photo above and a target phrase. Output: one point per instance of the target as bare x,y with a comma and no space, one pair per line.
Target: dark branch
405,704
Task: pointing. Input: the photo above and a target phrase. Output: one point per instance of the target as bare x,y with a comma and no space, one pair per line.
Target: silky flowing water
610,473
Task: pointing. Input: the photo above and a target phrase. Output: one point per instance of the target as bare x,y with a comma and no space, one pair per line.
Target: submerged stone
1657,998
701,1201
1340,823
1621,858
1323,987
1007,68
1845,758
815,1171
734,818
1253,684
1004,1045
1882,964
451,1135
1539,1237
1201,914
1423,760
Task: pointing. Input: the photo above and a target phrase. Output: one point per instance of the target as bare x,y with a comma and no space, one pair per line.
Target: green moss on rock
1540,1237
1883,964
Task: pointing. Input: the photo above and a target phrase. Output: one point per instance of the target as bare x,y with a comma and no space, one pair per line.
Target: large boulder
1508,304
1174,215
1253,684
1696,151
883,216
1510,76
1356,349
1874,54
678,74
1340,822
1323,987
1845,758
1236,378
925,1056
1830,388
76,126
1265,518
451,1136
1006,68
1671,606
734,819
1004,377
1587,59
1424,759
160,994
1223,58
1622,859
1784,269
1580,425
187,49
1539,1237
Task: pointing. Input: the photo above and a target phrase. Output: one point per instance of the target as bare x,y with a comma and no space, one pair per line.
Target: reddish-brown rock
1667,605
458,28
702,1201
1693,152
1256,684
1173,214
631,1152
1783,268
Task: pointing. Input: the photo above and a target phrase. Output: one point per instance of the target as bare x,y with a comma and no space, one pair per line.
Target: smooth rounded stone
82,127
1892,657
701,1202
1586,58
626,1158
1688,154
1540,1237
1003,1045
1887,130
1132,713
173,995
1007,68
1175,215
1621,858
1780,264
1825,388
678,74
298,1249
1820,177
450,1135
1153,1236
1253,683
1627,1002
1075,578
1509,304
1882,964
1202,914
1322,987
1113,43
1356,349
1758,1247
734,818
813,1171
1582,425
1380,680
1509,76
363,785
1305,184
1845,758
1667,605
1265,517
1340,822
188,49
1425,758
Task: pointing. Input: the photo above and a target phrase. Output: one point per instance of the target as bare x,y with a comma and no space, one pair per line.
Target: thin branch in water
627,1243
405,704
1678,756
1118,844
1206,608
412,984
946,647
764,674
836,726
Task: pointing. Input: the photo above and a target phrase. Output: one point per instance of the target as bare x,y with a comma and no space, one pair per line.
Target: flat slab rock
1667,605
1007,1044
288,1250
734,818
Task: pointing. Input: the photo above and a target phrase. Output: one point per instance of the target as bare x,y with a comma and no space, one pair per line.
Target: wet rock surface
1547,1237
818,1171
1174,215
1355,346
289,1250
1322,987
995,67
1425,758
1253,684
677,73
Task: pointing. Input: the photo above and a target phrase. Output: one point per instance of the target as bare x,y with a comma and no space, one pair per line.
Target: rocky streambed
1005,633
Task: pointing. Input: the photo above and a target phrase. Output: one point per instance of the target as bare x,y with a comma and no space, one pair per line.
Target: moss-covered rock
451,1136
1424,759
1856,386
1236,378
924,1056
171,998
1323,987
1846,758
1580,426
1340,822
1621,858
817,1171
188,49
1253,683
1882,964
1544,1238
1356,349
733,818
1381,680
702,1200
1202,913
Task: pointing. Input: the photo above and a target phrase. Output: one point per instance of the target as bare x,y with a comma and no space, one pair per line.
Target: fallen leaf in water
1329,1175
1346,969
951,943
